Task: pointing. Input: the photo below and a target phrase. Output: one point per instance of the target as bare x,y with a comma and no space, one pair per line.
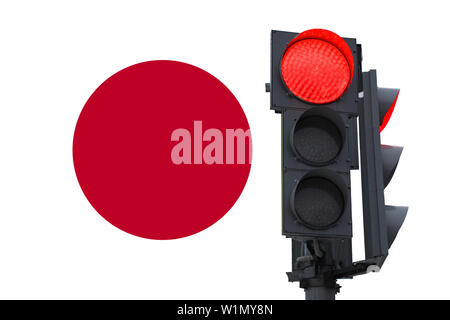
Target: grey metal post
320,293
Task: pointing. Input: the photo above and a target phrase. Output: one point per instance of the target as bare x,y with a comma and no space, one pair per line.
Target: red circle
317,66
123,143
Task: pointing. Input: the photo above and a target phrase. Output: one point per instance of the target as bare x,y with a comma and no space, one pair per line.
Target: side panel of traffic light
378,163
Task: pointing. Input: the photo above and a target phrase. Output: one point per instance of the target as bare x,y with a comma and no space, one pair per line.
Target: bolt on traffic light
320,90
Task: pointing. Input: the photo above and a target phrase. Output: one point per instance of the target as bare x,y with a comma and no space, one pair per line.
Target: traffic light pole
320,293
321,289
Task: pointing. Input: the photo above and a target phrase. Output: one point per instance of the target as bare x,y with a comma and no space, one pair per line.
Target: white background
54,54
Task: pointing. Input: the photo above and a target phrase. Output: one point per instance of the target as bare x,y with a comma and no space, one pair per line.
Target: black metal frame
375,236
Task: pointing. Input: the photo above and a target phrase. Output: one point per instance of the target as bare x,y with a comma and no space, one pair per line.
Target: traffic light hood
390,156
395,215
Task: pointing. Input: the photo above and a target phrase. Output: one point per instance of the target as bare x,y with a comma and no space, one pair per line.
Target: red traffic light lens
317,66
388,114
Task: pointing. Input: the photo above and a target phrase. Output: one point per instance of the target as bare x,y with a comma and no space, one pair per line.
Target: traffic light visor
390,156
395,216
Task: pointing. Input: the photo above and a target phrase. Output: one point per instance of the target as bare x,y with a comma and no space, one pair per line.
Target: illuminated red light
317,66
388,114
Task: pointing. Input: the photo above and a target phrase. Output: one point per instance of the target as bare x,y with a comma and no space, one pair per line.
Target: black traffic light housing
319,148
299,170
303,167
378,163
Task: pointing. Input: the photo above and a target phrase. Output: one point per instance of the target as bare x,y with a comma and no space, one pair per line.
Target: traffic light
378,164
319,89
